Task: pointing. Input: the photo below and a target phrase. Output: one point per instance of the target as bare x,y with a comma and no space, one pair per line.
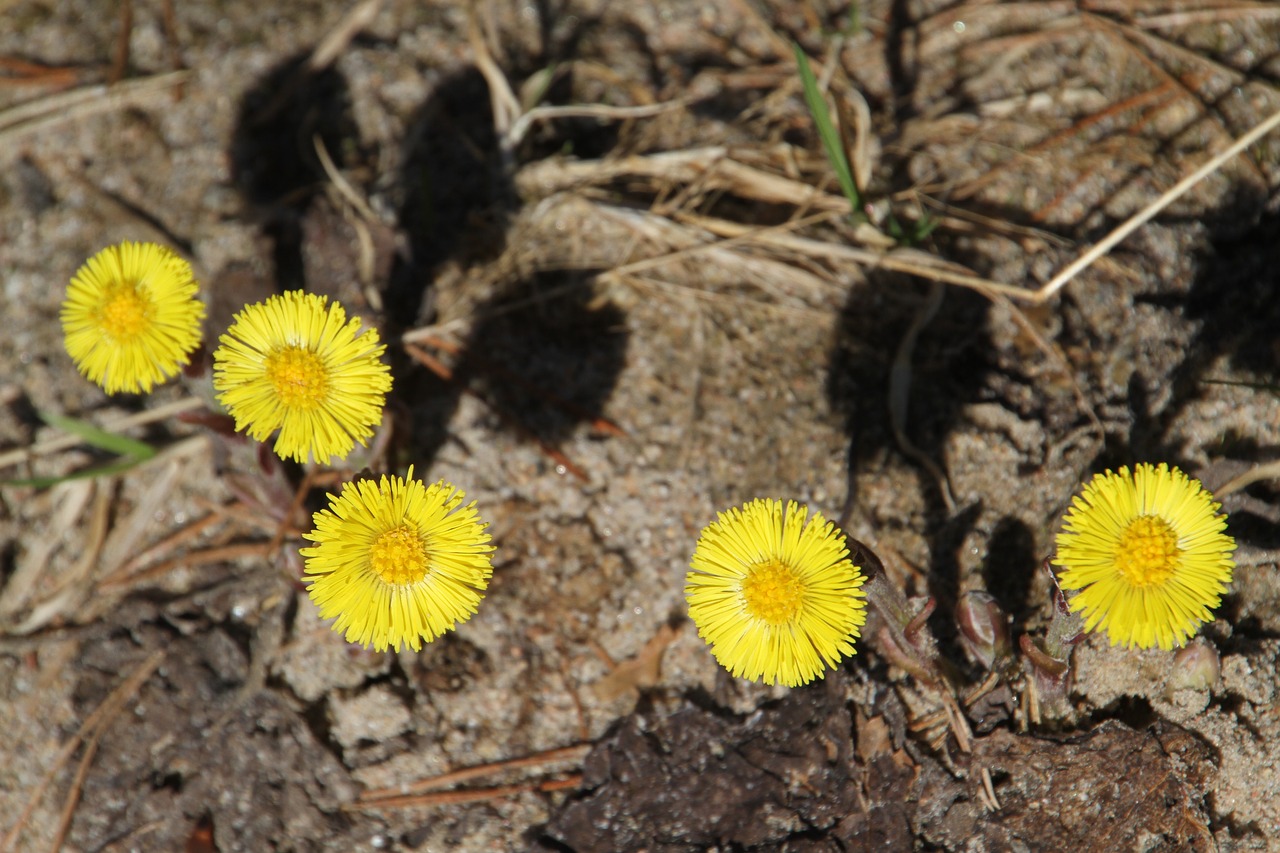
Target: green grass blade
91,435
130,451
919,231
827,130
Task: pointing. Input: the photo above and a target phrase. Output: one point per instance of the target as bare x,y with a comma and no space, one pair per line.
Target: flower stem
1049,661
905,637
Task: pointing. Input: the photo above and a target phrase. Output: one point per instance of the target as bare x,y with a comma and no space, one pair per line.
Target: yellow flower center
1148,551
299,377
125,313
773,592
399,556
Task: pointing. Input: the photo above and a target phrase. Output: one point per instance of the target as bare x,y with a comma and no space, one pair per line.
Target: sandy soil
640,332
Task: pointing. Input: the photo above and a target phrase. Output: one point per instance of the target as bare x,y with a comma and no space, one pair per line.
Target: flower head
779,600
131,318
295,364
1147,552
398,562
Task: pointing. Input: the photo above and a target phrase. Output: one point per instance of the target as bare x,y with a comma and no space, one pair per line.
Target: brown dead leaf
643,670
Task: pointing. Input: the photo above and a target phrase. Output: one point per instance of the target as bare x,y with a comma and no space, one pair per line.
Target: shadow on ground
948,367
273,153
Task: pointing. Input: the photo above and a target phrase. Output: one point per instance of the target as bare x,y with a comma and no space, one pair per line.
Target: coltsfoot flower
397,562
1147,553
779,600
131,318
294,363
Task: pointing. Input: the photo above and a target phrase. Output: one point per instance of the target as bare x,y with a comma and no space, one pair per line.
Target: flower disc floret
397,562
778,599
131,318
1147,555
295,364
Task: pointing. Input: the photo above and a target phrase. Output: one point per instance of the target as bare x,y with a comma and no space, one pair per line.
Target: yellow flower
779,600
1147,552
131,318
397,562
293,364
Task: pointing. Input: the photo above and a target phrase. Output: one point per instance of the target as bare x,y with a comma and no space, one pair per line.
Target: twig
70,497
914,263
601,111
337,39
77,787
340,182
92,728
77,104
33,74
502,100
686,165
574,753
285,527
749,236
127,534
1214,16
476,795
120,62
324,54
1133,223
198,558
70,588
359,220
681,167
1265,471
988,791
164,546
169,20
